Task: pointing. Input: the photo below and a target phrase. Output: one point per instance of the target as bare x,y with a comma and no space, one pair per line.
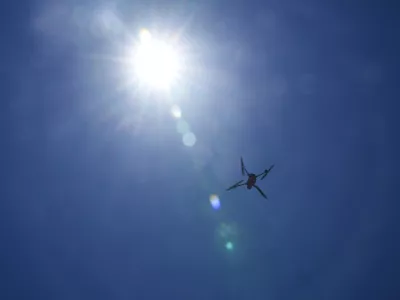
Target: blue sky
101,199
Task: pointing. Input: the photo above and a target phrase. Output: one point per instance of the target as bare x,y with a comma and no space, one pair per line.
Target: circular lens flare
182,127
145,35
229,246
189,139
215,203
176,111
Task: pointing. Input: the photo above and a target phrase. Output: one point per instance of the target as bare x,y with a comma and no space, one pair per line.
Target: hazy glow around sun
155,62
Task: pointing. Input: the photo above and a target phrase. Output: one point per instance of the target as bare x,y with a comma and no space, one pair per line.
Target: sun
156,63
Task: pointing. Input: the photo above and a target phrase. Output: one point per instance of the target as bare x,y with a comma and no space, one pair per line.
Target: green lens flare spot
229,246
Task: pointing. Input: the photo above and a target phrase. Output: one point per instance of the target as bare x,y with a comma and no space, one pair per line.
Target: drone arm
260,191
263,173
237,184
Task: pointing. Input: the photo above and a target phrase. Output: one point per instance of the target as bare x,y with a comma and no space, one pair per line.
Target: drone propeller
244,171
261,192
235,185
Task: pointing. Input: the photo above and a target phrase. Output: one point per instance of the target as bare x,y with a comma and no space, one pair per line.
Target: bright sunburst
155,62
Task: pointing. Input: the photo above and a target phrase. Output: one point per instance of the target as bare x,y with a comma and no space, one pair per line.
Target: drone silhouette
251,180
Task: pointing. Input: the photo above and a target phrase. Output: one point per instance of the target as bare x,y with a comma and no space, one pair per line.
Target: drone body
251,179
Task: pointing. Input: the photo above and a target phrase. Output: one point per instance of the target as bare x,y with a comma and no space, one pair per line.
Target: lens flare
189,139
145,35
229,246
176,111
215,203
182,127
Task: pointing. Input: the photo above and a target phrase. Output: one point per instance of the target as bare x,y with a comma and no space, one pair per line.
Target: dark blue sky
100,198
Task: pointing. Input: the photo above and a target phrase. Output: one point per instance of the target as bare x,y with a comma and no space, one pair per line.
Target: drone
251,180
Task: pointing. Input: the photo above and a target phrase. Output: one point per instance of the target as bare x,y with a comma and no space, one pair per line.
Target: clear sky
110,150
